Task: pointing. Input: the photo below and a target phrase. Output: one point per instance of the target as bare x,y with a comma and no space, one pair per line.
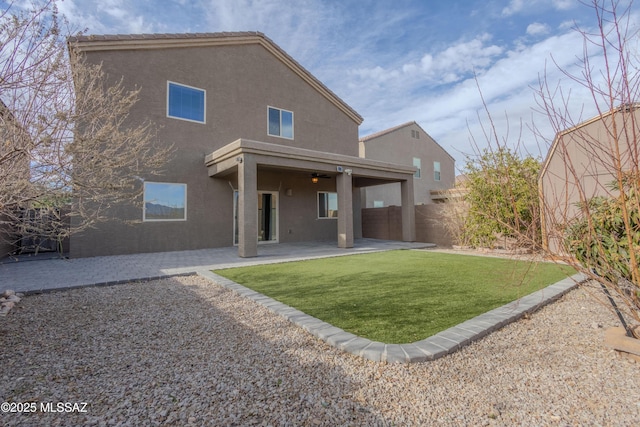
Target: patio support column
408,211
345,210
247,206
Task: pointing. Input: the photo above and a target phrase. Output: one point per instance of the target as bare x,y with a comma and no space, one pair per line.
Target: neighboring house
408,144
580,166
264,151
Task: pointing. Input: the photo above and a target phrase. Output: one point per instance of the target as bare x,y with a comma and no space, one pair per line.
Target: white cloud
465,57
452,64
537,29
514,7
564,4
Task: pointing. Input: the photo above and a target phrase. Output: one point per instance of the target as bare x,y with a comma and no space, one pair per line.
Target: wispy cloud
521,6
537,29
107,16
514,7
297,26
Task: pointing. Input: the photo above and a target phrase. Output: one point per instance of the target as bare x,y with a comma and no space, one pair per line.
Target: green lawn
399,296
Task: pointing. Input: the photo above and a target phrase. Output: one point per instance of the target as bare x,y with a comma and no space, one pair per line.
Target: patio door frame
275,222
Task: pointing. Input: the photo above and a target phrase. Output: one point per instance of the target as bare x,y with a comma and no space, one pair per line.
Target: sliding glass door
267,216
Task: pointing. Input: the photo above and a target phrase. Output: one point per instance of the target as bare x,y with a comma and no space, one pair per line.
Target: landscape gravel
185,351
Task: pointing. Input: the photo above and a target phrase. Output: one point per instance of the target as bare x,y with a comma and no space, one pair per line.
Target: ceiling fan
315,177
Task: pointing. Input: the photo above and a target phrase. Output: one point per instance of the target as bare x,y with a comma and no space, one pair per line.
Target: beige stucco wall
386,224
579,167
241,81
399,146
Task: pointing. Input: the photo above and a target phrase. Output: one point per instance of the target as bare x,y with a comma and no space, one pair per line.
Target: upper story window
327,205
280,123
415,134
185,102
417,163
436,171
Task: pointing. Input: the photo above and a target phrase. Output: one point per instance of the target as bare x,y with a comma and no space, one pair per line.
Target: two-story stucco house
408,144
265,152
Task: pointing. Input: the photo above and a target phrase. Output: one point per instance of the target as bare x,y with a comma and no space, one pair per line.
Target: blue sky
395,61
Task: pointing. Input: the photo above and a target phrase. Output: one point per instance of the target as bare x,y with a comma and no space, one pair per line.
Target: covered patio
244,158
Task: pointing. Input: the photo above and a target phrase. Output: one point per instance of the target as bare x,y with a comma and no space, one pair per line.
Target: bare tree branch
68,152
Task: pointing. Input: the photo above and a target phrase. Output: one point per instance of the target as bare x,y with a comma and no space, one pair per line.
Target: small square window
185,102
164,202
280,123
417,163
436,171
415,134
327,205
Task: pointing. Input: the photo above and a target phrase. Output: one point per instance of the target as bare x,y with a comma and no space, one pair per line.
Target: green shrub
599,239
503,199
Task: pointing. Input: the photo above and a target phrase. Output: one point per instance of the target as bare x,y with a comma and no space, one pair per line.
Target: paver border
432,348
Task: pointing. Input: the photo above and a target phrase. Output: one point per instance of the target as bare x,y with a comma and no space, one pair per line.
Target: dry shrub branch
68,152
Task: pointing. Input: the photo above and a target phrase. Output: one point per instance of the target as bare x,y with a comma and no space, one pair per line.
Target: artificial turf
398,296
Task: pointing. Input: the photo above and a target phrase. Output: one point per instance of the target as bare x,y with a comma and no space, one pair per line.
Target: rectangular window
280,123
164,202
327,205
436,171
417,163
378,203
415,134
185,102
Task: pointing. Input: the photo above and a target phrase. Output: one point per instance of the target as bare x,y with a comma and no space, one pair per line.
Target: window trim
144,203
437,170
318,205
280,110
418,173
204,107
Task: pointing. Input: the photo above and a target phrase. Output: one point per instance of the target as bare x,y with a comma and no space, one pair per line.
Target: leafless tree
589,183
68,153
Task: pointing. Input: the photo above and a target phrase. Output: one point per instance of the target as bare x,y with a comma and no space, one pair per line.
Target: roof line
545,164
386,131
91,43
395,128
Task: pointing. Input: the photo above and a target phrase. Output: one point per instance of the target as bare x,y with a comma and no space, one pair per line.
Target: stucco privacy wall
243,74
385,223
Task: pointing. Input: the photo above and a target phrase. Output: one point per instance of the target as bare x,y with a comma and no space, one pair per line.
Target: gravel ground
184,351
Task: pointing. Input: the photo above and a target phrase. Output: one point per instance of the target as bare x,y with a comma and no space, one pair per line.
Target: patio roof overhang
365,172
244,157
